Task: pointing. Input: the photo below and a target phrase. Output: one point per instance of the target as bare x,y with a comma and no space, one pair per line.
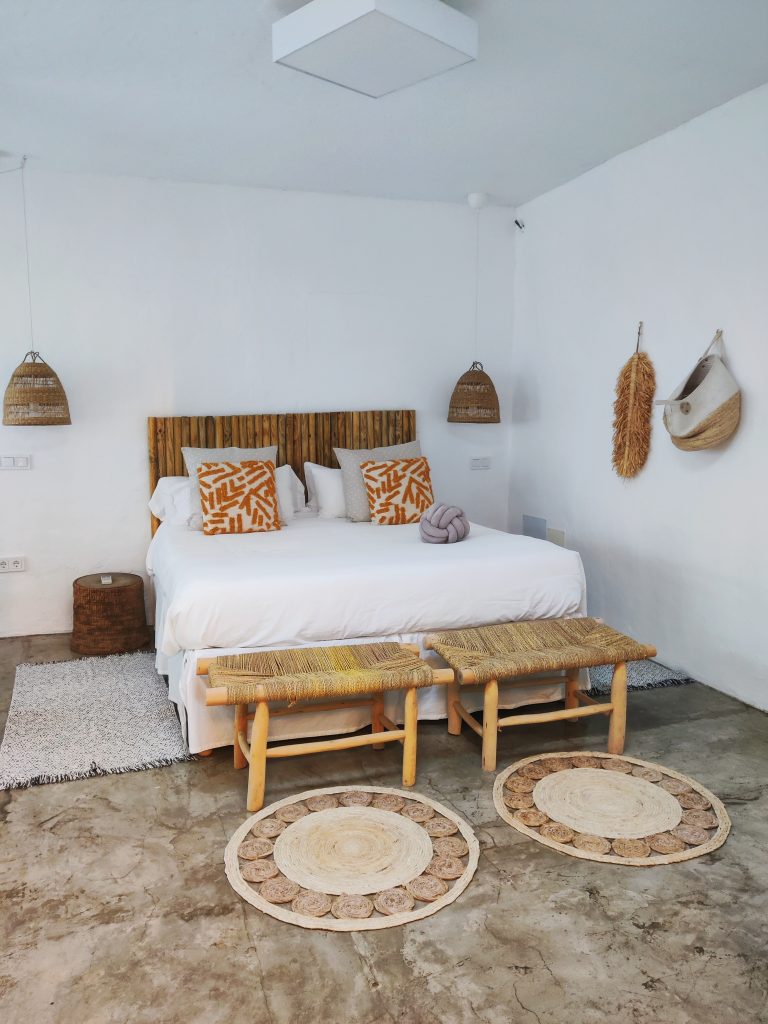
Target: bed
321,581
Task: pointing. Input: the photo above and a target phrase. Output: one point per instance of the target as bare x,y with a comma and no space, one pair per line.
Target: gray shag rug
95,716
641,675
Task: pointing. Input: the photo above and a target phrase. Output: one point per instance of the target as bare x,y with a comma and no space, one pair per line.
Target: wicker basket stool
109,618
318,673
484,655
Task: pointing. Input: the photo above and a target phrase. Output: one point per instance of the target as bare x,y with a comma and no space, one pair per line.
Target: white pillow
299,495
290,493
326,491
176,499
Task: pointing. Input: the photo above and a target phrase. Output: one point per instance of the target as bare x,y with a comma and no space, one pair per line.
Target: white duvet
319,580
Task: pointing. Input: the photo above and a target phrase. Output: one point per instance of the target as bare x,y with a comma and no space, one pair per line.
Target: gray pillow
195,457
351,459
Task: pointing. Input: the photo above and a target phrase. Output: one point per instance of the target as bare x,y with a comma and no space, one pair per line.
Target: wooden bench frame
577,705
257,753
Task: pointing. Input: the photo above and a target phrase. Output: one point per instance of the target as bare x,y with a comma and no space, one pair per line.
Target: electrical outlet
12,563
480,462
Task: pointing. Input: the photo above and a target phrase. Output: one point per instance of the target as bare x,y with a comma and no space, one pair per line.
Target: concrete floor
115,907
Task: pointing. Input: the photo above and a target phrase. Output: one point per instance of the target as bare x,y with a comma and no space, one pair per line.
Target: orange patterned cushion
238,497
398,491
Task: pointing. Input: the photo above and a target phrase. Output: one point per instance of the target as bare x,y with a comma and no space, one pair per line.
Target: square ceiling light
374,46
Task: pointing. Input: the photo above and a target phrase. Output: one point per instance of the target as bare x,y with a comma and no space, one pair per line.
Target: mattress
323,581
330,579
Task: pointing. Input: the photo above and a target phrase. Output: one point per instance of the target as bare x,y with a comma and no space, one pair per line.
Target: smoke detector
374,46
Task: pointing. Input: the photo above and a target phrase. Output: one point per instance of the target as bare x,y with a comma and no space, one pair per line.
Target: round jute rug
352,858
620,810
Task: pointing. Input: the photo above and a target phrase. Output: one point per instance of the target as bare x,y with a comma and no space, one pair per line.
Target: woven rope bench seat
519,649
312,673
545,645
306,674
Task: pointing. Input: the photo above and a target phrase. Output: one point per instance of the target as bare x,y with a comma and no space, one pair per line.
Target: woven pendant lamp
34,396
474,399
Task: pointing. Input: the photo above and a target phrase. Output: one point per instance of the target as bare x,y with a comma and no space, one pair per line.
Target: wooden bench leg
572,690
377,710
617,727
409,743
453,694
241,729
490,724
258,769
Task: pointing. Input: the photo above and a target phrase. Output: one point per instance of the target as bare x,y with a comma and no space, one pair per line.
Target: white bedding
320,580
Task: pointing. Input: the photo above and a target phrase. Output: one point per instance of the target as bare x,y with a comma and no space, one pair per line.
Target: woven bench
484,655
318,673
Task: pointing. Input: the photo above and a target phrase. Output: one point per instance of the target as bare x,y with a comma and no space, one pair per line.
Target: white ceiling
186,89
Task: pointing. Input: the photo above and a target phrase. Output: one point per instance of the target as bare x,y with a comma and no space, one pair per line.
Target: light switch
15,462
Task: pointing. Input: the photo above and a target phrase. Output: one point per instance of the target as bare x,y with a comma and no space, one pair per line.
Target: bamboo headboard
300,436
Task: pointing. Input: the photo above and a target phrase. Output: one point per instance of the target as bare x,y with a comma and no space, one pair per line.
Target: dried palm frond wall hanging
632,412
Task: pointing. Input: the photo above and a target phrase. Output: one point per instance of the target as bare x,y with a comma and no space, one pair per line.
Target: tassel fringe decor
632,410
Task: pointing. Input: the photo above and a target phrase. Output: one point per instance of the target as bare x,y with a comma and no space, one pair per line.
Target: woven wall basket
474,399
34,396
705,409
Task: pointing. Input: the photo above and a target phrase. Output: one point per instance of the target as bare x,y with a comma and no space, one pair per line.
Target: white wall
674,233
161,298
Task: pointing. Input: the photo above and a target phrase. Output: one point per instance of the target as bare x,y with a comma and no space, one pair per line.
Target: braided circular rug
352,858
615,809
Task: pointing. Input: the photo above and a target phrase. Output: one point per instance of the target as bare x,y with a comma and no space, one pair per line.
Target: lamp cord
14,170
477,280
26,248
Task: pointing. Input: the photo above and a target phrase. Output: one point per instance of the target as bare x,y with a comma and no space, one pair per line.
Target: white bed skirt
207,728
